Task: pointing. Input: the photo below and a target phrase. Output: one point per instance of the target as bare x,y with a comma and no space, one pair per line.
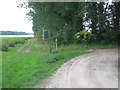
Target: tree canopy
65,20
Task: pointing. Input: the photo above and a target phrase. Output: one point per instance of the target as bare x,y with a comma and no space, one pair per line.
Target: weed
4,48
56,58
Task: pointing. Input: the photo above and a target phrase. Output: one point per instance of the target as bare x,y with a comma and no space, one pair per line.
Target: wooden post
56,45
50,46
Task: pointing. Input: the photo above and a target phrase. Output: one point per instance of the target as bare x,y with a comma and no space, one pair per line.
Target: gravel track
98,69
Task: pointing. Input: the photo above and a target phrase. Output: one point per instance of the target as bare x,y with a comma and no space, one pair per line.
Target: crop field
7,42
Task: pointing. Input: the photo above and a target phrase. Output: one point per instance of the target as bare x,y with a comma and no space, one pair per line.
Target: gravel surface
98,69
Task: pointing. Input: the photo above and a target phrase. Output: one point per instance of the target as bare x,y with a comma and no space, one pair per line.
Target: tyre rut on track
28,48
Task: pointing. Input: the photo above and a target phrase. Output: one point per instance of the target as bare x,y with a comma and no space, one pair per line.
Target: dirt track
94,70
28,48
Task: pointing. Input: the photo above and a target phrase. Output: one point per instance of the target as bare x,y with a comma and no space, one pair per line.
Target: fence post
56,44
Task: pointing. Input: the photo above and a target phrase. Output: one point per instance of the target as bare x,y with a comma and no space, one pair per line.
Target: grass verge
24,70
20,69
81,47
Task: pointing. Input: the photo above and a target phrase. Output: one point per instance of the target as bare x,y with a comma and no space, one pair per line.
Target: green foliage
4,48
83,36
64,20
91,46
56,58
11,42
57,17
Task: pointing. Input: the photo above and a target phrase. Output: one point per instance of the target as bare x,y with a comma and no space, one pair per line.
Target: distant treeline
14,33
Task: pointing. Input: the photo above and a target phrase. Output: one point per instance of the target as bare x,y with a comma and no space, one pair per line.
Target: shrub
83,36
56,58
11,44
22,42
4,48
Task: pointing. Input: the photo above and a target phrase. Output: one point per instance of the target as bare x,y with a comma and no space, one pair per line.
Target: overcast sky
13,18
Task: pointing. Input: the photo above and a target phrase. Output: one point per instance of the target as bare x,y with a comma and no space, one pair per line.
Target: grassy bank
20,69
79,47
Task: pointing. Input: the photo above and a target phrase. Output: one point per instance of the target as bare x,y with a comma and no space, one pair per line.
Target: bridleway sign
46,34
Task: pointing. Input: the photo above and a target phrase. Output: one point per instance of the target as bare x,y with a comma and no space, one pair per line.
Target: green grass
80,47
25,70
0,71
7,42
39,48
13,49
20,69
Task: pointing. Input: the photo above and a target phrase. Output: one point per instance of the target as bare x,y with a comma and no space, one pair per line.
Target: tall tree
64,20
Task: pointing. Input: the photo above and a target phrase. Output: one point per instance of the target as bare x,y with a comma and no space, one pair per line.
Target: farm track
98,69
28,48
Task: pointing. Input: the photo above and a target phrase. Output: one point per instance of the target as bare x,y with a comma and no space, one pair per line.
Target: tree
64,20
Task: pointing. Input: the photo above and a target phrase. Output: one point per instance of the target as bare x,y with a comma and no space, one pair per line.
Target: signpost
46,36
56,44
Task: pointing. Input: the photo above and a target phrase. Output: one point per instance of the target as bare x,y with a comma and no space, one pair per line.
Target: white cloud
13,18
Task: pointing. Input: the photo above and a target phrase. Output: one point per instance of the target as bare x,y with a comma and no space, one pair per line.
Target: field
21,69
7,42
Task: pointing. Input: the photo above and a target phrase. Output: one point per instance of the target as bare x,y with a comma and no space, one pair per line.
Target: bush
22,42
4,48
84,36
17,42
56,58
11,44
